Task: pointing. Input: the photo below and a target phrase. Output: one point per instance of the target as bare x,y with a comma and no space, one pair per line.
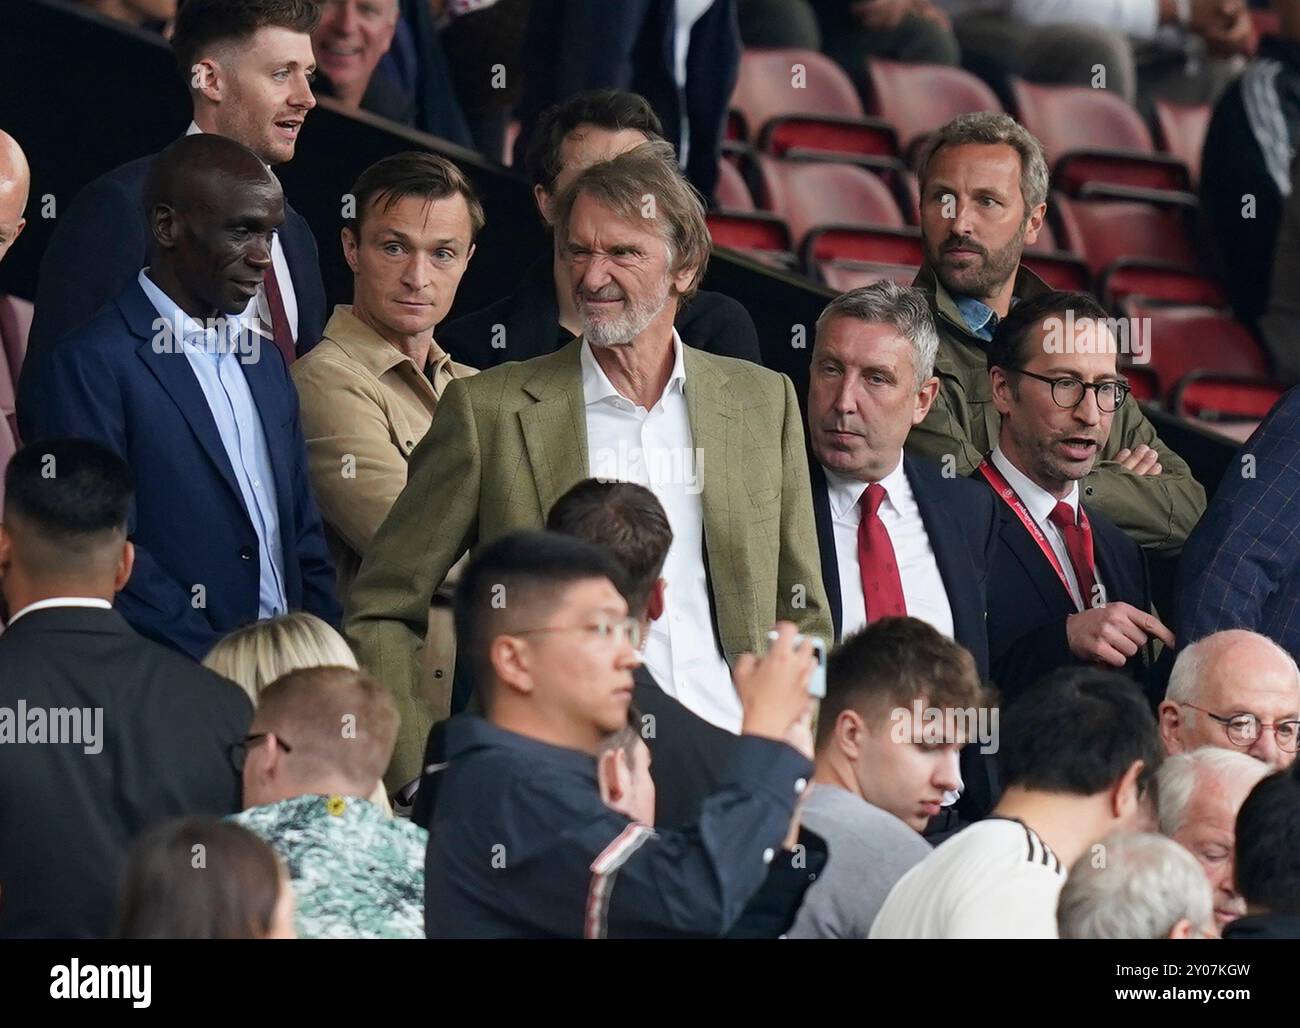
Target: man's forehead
589,217
975,161
852,339
445,216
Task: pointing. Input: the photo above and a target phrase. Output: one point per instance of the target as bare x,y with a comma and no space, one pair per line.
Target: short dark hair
516,577
892,662
71,493
626,518
202,23
1077,731
413,173
1006,350
1268,844
164,893
611,109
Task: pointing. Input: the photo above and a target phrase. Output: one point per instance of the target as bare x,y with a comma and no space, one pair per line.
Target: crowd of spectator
570,618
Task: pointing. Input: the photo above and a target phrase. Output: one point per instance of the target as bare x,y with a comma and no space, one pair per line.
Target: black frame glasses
239,750
1242,724
1070,383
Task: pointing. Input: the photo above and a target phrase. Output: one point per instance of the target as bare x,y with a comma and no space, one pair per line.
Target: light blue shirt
213,354
980,318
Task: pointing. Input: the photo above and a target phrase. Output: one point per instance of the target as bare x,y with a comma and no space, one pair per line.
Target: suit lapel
951,553
555,427
826,542
173,372
1021,545
716,432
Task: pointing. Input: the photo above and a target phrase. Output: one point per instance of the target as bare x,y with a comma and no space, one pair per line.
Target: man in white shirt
1078,753
1067,585
717,440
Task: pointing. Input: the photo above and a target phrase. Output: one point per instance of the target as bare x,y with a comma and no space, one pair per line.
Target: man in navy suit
1068,586
248,65
897,536
177,379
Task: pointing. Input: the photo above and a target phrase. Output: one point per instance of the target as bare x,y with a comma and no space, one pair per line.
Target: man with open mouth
1067,585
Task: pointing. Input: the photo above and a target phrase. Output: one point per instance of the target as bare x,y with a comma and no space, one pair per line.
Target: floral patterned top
357,872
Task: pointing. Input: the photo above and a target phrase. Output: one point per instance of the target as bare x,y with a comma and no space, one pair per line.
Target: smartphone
817,680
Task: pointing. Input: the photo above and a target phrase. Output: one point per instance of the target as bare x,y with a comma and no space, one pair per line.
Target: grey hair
1181,775
1140,888
1185,677
989,128
902,307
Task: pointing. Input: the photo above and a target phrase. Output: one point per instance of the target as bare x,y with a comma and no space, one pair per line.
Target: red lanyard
1003,488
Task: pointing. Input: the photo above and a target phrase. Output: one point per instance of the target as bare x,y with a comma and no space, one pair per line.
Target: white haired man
1135,885
1198,796
1237,690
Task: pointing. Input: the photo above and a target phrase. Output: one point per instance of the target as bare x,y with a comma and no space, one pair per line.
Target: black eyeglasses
1069,392
1244,729
239,751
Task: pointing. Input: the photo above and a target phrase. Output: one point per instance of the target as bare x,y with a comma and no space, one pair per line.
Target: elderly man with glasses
1237,690
1067,585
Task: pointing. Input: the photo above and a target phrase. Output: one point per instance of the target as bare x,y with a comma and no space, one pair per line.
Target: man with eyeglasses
1237,690
1067,585
984,184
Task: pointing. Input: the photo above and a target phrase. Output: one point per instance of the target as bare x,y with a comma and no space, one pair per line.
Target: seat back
919,98
810,194
1182,132
781,81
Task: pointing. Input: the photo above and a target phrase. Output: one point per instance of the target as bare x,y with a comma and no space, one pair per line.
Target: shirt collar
469,732
224,336
63,601
596,386
1040,502
980,318
845,493
368,348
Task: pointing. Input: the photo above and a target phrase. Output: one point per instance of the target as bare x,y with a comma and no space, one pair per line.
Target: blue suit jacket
105,382
1240,567
102,240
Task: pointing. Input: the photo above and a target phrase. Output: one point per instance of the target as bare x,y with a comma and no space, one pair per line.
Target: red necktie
882,589
280,330
1078,541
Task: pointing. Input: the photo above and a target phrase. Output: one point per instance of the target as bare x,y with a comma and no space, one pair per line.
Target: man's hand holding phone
774,688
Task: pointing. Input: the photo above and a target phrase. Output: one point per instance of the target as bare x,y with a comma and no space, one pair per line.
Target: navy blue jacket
105,382
1240,567
1028,604
521,844
102,240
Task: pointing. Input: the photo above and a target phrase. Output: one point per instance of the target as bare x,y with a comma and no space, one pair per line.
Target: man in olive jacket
983,193
719,441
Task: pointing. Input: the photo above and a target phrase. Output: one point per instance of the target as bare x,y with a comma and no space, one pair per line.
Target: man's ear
850,733
1002,391
685,278
1124,797
509,657
6,551
925,399
1183,929
611,777
350,243
1171,727
207,80
655,604
473,247
1034,224
125,563
543,200
165,225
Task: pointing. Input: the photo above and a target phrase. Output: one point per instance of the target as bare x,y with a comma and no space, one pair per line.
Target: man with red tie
1067,586
898,536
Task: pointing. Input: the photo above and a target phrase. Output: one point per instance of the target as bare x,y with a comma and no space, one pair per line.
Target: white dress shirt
923,588
63,601
258,305
1040,504
655,448
686,14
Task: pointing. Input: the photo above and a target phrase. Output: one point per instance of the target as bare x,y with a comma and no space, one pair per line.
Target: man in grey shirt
900,700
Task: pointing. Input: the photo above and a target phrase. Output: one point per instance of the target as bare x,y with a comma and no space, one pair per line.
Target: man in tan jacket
718,440
368,391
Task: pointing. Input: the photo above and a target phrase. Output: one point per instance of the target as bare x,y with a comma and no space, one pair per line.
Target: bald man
15,182
176,376
1237,690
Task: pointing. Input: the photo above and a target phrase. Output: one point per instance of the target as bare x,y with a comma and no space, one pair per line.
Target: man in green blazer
720,441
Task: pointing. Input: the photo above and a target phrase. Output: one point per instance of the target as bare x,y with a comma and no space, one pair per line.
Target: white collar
1040,502
845,493
596,385
63,601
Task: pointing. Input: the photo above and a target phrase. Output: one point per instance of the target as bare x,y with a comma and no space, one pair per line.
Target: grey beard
620,331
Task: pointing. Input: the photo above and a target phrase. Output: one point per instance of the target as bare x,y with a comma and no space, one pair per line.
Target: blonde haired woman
256,655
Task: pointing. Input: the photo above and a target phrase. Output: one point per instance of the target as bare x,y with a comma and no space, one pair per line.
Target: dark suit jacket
102,240
66,815
105,382
961,520
1028,604
530,325
572,45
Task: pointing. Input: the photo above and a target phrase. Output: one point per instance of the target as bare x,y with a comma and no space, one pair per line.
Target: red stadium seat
1153,280
1105,231
810,194
1211,396
1059,270
867,245
1142,381
1182,132
1183,340
749,230
917,99
843,275
731,193
1092,136
801,98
